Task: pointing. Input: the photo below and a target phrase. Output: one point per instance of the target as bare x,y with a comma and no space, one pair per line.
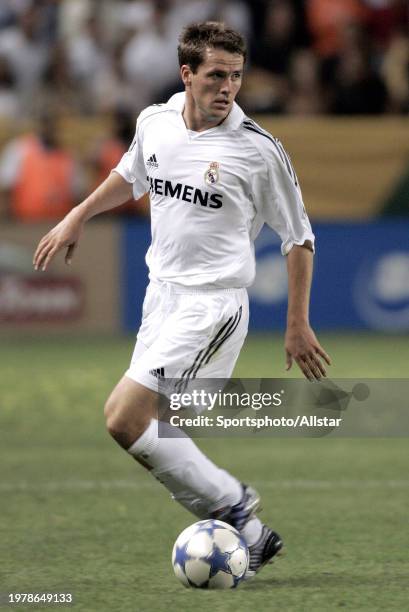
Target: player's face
215,84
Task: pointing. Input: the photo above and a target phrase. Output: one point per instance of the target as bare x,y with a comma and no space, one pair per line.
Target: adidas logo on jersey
152,162
158,372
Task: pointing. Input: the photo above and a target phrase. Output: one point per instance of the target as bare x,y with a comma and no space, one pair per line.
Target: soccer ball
210,554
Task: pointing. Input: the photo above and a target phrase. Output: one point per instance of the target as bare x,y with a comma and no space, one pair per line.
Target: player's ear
186,74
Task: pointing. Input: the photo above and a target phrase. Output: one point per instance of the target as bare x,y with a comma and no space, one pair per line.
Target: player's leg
174,327
192,479
263,542
129,410
177,327
177,334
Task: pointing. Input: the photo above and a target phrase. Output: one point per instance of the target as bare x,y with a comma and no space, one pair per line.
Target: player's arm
278,196
113,192
301,344
128,180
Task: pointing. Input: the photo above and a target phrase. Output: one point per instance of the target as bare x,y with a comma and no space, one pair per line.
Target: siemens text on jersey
187,193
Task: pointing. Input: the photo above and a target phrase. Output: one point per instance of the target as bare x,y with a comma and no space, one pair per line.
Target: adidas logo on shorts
152,162
158,372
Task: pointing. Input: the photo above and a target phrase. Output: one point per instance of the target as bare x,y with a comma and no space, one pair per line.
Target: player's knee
116,420
123,422
115,424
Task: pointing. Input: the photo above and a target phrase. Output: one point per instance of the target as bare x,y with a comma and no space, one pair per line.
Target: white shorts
187,334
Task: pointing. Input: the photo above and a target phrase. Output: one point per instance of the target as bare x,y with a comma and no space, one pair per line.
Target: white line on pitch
97,485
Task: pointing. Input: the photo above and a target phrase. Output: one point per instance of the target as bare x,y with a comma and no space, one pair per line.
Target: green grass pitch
78,515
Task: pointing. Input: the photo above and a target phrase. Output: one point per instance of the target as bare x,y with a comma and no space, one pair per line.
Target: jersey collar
232,121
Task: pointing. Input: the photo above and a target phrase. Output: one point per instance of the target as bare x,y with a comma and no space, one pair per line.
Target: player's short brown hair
197,37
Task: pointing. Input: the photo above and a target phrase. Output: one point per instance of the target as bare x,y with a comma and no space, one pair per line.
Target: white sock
251,531
193,480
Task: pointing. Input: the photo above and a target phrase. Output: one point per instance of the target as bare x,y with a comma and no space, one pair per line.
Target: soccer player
214,177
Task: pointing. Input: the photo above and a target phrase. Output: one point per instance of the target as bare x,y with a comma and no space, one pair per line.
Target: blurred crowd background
105,60
306,57
316,56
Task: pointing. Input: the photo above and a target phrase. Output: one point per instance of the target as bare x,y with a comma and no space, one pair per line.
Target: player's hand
302,346
65,235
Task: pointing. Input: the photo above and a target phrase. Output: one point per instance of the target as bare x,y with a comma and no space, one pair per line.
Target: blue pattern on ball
218,560
181,556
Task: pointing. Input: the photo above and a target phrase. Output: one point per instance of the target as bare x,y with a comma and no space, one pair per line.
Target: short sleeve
278,198
132,168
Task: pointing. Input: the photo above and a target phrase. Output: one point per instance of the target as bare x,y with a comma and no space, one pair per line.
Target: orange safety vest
327,20
44,187
109,156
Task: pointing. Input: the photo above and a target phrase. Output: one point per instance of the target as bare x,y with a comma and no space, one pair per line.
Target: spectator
112,89
266,87
273,51
183,12
72,17
10,10
9,100
26,53
149,59
59,89
385,18
88,57
127,15
358,90
38,178
48,20
395,70
327,20
305,96
235,13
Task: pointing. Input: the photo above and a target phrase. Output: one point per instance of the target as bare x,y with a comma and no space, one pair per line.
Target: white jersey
211,192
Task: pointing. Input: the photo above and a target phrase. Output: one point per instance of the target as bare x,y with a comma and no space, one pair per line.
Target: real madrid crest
212,173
